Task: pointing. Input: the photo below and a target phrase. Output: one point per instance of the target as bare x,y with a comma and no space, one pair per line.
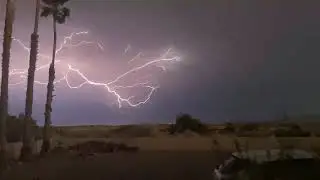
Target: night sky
241,60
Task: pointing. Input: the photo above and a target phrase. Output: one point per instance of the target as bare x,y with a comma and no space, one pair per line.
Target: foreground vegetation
192,149
142,166
15,126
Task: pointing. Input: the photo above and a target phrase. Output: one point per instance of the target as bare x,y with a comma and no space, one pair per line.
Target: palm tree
59,13
26,148
7,39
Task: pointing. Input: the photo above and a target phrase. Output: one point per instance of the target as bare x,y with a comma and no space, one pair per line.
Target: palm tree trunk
26,149
7,39
50,88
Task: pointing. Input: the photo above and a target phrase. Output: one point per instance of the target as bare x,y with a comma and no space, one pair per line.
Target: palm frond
55,2
62,15
60,19
46,11
48,2
66,11
62,2
55,8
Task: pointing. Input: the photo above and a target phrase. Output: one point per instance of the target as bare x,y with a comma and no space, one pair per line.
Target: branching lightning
112,86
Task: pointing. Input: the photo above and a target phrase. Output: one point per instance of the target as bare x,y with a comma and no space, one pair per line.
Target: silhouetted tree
187,122
26,148
59,13
7,39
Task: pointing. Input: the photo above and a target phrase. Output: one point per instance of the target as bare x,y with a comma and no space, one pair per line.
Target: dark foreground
120,166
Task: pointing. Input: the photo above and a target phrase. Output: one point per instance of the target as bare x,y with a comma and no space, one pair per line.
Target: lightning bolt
135,57
128,48
112,86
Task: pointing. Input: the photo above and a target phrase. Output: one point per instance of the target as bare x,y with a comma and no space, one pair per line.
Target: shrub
15,129
92,146
187,122
291,131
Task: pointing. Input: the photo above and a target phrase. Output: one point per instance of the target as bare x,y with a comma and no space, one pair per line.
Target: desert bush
291,131
70,133
248,130
229,128
15,129
90,147
187,122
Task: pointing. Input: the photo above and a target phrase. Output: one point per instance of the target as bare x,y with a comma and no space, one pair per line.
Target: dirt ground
188,157
120,166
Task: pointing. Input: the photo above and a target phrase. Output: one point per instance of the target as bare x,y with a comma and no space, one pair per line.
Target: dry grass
154,138
140,166
225,143
13,149
161,156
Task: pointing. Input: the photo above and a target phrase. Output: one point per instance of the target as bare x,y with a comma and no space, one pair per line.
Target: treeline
184,122
256,129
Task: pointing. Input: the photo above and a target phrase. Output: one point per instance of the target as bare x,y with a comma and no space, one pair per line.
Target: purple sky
248,60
